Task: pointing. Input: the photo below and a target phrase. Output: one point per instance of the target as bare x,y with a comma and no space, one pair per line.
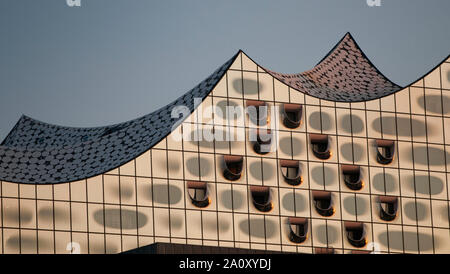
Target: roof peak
348,37
344,74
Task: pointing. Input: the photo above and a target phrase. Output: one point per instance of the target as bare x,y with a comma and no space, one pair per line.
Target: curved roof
345,74
30,133
39,153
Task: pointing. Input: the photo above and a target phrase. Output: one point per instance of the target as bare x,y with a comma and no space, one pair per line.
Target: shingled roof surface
344,75
39,153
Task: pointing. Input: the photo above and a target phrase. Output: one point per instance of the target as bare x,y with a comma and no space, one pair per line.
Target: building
335,159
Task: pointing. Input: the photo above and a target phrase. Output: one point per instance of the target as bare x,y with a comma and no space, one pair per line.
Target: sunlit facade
337,159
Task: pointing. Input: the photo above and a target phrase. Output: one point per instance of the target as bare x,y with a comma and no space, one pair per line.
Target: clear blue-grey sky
109,61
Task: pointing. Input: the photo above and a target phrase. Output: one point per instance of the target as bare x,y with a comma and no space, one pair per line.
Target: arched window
233,167
352,176
291,171
292,115
323,202
388,207
263,142
385,151
356,233
324,250
258,112
320,145
198,192
262,198
298,229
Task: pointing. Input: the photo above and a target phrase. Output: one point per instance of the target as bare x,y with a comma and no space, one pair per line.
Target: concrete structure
336,159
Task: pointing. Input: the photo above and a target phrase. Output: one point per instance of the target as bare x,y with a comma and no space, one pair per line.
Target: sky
109,61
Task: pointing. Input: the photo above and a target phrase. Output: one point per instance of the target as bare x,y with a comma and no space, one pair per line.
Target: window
356,233
352,176
385,151
323,250
292,115
198,192
233,167
263,142
388,207
258,112
262,198
320,145
298,229
323,202
291,171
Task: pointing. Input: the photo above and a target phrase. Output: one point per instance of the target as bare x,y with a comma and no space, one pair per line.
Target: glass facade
147,200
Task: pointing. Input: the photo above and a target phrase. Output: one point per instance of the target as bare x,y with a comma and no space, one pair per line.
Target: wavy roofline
314,81
23,116
379,71
222,68
161,128
95,135
365,56
428,73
